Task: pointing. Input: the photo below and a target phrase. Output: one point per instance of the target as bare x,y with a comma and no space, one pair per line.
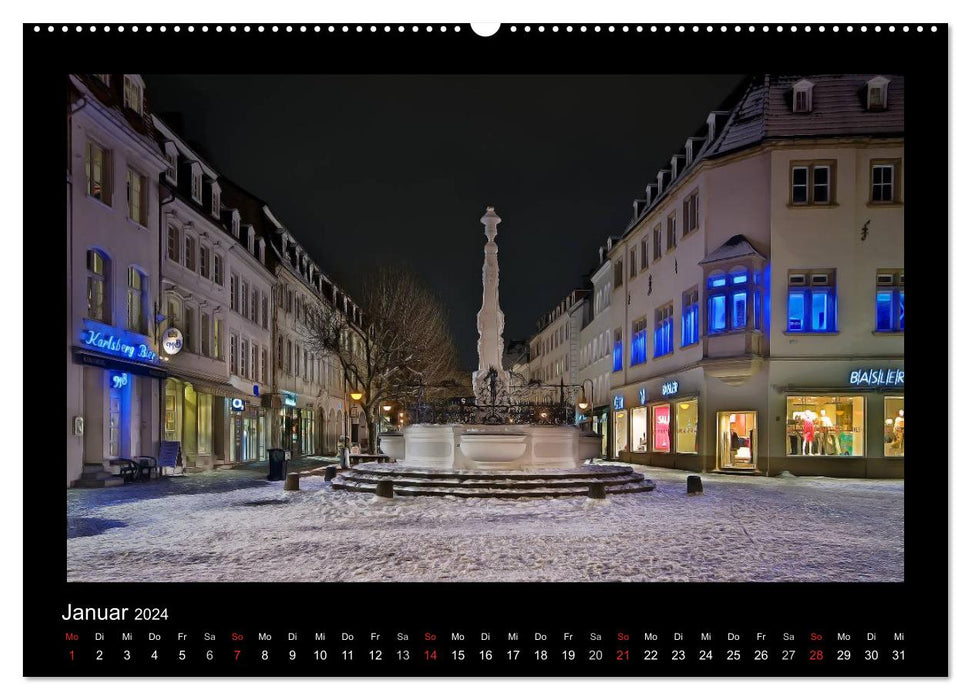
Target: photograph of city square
485,328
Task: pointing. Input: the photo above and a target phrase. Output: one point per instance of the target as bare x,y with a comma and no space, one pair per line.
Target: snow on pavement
235,526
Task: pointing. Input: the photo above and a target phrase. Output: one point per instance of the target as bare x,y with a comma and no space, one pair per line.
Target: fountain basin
492,449
590,445
393,445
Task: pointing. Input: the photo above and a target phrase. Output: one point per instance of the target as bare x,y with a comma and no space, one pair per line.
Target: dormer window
215,201
250,239
262,248
197,182
134,90
802,96
235,224
104,78
876,93
172,156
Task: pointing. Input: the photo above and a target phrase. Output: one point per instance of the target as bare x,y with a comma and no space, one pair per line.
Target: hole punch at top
485,29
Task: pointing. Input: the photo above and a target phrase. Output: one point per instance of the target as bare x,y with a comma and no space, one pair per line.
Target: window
217,270
104,78
893,426
802,96
233,292
672,230
890,301
255,307
618,274
205,261
884,183
265,312
235,224
215,202
876,93
197,182
289,301
825,426
644,253
243,358
664,330
279,352
254,361
174,245
638,425
263,365
97,169
812,302
217,339
172,156
657,242
190,253
133,94
618,350
244,295
690,220
689,317
686,437
638,343
233,354
205,345
136,304
728,301
289,357
812,183
189,329
633,263
97,264
661,423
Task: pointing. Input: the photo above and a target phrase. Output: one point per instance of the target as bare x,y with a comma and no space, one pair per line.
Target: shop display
893,437
824,426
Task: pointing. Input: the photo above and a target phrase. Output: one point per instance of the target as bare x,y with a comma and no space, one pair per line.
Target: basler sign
877,377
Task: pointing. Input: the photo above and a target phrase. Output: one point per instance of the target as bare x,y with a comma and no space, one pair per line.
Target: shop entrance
621,443
737,437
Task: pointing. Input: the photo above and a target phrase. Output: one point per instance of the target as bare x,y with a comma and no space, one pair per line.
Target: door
621,443
737,439
114,423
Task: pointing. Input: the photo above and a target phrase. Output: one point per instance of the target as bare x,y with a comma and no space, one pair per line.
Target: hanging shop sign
116,342
618,402
172,341
877,377
237,404
289,399
669,388
256,390
642,395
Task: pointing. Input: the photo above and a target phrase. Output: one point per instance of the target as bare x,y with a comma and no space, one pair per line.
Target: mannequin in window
808,431
898,431
828,441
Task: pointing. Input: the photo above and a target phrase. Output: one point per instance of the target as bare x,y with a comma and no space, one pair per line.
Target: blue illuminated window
638,344
812,303
890,302
689,318
618,351
664,330
728,301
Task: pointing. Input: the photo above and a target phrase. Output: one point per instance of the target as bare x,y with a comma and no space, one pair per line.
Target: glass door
737,437
621,443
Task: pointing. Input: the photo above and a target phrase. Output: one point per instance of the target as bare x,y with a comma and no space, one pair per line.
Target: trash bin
278,464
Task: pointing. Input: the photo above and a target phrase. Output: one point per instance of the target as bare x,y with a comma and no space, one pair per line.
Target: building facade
113,364
758,304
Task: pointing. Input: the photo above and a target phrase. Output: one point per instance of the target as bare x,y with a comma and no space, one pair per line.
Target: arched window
137,294
98,295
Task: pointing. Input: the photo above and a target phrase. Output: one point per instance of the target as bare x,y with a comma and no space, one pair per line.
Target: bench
358,458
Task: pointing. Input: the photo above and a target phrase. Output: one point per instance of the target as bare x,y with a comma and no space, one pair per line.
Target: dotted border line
428,28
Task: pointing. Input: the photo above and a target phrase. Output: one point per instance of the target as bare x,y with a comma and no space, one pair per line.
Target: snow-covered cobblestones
234,526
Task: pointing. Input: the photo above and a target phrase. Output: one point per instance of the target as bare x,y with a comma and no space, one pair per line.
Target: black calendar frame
919,605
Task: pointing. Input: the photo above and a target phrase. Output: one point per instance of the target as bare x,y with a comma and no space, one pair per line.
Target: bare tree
401,348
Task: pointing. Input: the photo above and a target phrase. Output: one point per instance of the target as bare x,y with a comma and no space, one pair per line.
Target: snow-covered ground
235,526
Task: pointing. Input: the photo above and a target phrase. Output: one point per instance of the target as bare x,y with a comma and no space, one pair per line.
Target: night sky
366,169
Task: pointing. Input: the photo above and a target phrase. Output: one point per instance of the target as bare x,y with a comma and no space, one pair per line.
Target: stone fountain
492,457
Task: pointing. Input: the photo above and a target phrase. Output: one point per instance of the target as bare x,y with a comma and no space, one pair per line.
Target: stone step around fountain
540,483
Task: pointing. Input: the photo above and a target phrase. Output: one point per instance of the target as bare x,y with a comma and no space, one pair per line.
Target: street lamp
356,395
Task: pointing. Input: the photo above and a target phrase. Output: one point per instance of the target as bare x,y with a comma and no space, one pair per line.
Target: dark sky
365,169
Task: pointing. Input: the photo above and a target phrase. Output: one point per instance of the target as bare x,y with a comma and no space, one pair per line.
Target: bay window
728,300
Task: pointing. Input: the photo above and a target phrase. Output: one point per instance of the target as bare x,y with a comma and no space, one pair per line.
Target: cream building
757,307
113,365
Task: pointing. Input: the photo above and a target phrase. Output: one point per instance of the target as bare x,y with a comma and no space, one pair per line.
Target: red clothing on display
808,429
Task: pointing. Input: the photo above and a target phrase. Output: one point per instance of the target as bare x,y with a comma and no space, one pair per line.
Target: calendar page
522,350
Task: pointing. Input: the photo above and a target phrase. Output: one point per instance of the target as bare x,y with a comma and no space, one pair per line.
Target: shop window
812,302
97,168
664,330
890,301
661,428
204,431
825,426
893,426
618,350
638,343
97,286
638,428
689,318
728,296
686,440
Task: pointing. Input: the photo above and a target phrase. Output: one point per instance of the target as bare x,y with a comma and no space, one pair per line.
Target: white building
113,366
765,331
216,292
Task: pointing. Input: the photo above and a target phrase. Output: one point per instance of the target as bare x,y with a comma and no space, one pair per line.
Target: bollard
694,485
384,489
330,473
597,490
292,483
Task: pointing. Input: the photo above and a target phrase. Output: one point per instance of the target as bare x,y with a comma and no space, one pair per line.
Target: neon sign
618,402
642,394
119,380
289,399
877,377
669,388
237,404
113,342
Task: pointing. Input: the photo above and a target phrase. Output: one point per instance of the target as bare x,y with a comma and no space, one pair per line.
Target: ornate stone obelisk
490,382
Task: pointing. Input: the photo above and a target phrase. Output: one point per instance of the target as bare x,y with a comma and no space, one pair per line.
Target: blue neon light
642,395
669,388
113,341
618,402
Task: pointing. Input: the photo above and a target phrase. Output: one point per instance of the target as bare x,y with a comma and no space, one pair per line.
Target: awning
216,388
86,357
